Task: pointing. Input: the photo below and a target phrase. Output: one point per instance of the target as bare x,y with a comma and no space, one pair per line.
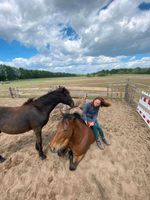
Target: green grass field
76,81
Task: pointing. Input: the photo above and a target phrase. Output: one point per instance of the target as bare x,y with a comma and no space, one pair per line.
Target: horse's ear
61,88
64,90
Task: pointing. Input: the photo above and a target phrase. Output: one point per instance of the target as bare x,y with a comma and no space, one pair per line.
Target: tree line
11,73
137,70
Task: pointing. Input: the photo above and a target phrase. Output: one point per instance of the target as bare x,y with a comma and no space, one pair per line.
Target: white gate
143,107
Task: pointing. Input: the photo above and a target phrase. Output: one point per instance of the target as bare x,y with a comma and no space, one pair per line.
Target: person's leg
97,125
95,131
96,134
101,133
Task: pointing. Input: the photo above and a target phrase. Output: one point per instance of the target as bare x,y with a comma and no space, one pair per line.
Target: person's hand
90,124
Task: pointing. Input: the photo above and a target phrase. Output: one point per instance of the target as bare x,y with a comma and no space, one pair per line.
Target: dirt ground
121,171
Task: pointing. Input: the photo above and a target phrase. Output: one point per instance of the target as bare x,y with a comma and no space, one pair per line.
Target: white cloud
105,36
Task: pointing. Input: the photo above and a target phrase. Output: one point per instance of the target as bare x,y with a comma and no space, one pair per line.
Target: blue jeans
97,129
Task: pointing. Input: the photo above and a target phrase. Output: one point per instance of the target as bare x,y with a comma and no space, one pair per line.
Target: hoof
59,154
72,168
2,159
43,157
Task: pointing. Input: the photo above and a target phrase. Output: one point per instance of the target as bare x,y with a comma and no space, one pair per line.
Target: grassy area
76,81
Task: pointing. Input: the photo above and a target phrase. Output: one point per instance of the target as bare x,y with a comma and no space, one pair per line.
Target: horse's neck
50,100
50,107
47,103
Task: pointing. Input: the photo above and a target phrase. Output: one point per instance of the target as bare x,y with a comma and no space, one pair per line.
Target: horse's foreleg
38,144
73,165
2,159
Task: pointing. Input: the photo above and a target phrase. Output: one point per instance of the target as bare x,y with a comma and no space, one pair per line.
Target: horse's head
63,134
65,96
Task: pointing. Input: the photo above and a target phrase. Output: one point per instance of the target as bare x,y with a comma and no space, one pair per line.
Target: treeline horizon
136,70
8,73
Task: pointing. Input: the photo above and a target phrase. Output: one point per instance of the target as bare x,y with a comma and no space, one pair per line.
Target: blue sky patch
14,49
135,57
67,32
144,6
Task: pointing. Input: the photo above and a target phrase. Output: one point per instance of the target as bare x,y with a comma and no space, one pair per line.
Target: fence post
11,92
126,96
107,91
17,91
111,91
121,95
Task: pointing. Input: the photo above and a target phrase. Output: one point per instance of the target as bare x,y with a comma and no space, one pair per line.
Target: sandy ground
121,171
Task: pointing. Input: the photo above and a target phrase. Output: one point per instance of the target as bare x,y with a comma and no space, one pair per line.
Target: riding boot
105,141
99,144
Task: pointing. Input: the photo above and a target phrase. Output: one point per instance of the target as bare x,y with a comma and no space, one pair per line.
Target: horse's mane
30,100
43,99
74,115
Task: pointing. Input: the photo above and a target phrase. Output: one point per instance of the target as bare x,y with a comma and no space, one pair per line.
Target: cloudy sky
75,36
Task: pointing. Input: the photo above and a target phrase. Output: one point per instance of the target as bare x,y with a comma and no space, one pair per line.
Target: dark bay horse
33,115
72,133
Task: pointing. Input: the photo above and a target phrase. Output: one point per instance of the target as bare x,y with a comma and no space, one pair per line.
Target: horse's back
14,120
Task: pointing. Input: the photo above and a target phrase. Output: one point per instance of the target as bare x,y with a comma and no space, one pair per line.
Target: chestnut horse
73,134
33,115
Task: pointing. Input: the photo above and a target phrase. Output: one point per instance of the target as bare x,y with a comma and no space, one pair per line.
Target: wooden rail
113,90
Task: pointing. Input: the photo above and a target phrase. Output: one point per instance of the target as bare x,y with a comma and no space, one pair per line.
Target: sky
75,36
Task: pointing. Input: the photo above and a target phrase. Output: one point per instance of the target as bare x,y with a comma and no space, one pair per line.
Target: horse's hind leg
38,144
2,159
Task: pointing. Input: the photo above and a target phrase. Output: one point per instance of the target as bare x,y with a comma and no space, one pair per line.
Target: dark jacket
90,112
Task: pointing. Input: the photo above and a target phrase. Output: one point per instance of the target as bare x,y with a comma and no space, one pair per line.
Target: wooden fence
133,92
129,91
110,91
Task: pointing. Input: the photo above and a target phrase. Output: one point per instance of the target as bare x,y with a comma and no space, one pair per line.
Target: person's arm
85,109
95,116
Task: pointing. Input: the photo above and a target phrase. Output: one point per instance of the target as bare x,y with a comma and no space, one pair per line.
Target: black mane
45,99
30,100
74,115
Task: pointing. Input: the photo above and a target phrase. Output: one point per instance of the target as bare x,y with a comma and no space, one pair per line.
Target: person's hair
103,102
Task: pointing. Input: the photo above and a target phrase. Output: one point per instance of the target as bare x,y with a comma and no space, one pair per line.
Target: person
90,114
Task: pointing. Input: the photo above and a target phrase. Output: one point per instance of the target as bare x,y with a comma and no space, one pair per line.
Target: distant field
76,81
